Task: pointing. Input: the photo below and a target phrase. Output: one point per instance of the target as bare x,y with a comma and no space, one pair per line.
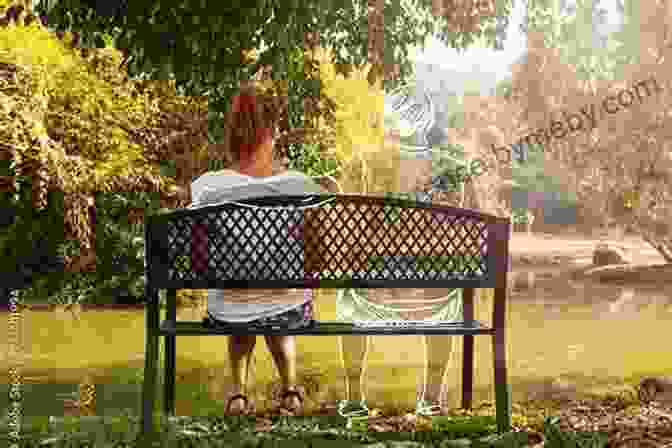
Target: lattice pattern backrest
344,237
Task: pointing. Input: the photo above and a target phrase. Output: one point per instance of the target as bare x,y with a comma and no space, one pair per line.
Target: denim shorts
301,316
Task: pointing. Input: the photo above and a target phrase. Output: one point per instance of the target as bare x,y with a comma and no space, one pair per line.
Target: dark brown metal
500,244
170,352
343,234
468,352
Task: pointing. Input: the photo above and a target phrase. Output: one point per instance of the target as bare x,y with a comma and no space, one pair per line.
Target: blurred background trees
621,169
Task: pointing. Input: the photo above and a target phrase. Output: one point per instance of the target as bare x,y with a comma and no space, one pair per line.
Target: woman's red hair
250,126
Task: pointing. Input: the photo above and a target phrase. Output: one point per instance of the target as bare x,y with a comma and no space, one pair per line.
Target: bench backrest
325,241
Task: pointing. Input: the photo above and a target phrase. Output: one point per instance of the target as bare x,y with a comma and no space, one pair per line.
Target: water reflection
556,291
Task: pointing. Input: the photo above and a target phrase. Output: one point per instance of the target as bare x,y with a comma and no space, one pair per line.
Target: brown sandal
245,410
291,393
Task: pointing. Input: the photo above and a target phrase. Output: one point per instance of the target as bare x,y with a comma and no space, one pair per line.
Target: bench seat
327,328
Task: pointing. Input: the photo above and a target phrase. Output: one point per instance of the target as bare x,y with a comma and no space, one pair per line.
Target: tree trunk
655,388
376,40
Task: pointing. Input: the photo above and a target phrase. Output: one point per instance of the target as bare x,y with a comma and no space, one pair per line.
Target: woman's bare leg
240,356
438,350
354,351
283,351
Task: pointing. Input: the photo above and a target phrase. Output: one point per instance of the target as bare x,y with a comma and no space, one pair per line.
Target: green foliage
120,250
354,130
454,117
203,51
447,160
30,227
532,177
91,107
312,162
120,256
96,114
309,157
95,108
465,426
573,35
504,88
457,263
519,216
556,437
359,109
391,121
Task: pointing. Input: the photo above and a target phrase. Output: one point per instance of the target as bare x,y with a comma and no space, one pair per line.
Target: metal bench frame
492,256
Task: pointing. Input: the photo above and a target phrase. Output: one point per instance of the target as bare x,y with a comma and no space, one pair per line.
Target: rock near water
604,255
657,389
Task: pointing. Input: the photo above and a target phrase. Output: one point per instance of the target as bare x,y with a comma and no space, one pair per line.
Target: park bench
328,241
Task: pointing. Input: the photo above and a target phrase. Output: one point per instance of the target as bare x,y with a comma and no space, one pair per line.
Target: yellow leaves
34,46
359,108
359,116
266,85
201,151
282,87
38,130
250,56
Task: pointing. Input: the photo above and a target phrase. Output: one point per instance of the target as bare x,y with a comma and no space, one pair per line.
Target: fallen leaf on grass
263,425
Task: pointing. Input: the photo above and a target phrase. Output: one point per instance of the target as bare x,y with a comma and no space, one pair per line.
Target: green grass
234,432
207,420
209,413
539,349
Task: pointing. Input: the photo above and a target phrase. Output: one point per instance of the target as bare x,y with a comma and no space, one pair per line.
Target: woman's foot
353,411
291,402
238,405
428,408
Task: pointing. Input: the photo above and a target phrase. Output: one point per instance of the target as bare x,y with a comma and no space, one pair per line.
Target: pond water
562,334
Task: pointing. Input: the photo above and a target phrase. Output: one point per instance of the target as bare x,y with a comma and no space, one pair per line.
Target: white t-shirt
245,305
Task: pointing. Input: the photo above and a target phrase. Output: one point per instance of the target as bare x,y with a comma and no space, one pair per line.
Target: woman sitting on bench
250,129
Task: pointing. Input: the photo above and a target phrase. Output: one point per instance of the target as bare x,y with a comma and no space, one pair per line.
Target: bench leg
468,352
502,392
468,372
151,367
169,383
169,351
